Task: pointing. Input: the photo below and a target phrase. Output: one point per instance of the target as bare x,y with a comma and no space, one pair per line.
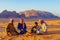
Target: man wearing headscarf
43,29
10,28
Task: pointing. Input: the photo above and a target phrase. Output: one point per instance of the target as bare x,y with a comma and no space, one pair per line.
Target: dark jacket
32,30
20,27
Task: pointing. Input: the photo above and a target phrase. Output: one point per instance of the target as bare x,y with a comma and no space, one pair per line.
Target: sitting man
11,29
43,29
34,28
22,26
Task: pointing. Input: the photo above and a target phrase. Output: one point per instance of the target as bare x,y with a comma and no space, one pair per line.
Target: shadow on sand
53,32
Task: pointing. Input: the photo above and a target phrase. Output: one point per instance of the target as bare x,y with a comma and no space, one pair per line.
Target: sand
53,32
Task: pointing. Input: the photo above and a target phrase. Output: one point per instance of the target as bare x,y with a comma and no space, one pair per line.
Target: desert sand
52,34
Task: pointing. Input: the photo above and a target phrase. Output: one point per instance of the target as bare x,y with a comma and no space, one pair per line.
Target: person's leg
8,32
16,33
31,31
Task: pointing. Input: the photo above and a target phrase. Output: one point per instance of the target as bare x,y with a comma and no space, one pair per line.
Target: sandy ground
52,34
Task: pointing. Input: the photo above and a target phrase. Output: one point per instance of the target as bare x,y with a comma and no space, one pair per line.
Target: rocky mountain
9,14
28,14
36,14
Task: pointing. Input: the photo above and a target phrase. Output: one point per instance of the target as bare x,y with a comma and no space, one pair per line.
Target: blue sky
21,5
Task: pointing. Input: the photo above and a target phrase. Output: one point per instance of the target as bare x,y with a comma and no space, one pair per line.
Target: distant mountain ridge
33,14
9,14
28,14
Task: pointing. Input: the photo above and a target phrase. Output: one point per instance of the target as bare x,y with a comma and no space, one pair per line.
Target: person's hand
21,29
34,29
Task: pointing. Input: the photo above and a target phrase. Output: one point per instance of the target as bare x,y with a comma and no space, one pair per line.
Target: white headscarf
10,20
